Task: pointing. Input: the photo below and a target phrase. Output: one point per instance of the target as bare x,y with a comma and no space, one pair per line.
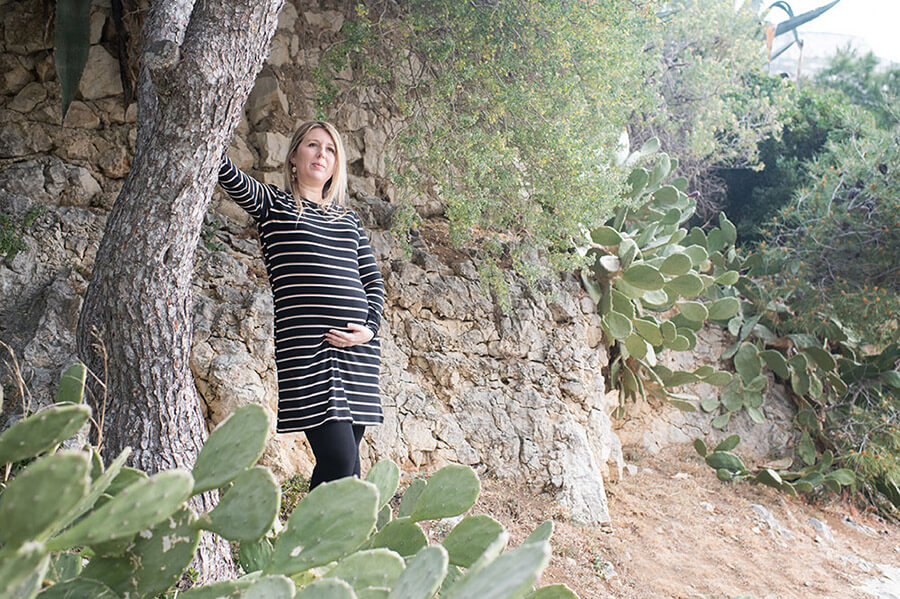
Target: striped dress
323,275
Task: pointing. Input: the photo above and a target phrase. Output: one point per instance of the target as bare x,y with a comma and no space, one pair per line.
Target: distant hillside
818,48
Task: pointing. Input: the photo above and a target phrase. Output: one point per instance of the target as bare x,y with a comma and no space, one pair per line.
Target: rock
14,75
101,75
581,491
329,20
241,154
373,157
28,98
18,139
81,116
288,17
98,20
275,178
273,148
279,52
266,98
775,527
23,29
822,529
45,68
114,161
81,189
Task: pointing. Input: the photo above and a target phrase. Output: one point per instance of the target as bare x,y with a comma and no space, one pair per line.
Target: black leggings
336,447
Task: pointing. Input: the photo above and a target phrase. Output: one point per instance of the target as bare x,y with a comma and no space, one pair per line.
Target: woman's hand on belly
356,335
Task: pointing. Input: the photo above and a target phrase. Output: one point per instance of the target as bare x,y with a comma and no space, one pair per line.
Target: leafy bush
504,109
138,534
833,249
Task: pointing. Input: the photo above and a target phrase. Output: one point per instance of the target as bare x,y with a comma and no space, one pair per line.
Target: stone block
81,116
266,98
22,139
329,20
279,51
29,97
13,76
101,75
241,154
23,29
287,18
273,148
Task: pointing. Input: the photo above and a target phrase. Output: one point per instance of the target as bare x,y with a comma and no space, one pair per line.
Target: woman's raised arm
247,192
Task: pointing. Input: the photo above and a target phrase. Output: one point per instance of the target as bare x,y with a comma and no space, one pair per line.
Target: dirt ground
678,532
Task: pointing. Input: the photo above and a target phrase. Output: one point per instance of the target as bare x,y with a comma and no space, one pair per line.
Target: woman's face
315,158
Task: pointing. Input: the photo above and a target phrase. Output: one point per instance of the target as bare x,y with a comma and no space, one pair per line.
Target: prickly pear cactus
449,492
41,431
645,264
232,447
247,509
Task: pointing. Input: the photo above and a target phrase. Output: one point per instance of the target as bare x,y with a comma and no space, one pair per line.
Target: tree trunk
199,62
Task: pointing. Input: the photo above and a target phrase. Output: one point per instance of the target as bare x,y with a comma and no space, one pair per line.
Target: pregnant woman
328,295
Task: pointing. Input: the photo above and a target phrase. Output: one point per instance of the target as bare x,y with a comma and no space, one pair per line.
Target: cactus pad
540,534
63,566
41,495
326,588
140,506
510,575
410,497
78,588
232,447
402,535
254,555
247,509
21,570
469,539
369,569
71,384
270,587
264,587
100,486
386,476
423,575
449,492
554,591
155,560
333,520
41,431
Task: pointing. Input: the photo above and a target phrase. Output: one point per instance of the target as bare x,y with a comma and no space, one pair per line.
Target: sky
875,21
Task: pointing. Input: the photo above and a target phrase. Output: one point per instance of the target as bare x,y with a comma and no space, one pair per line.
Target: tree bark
199,62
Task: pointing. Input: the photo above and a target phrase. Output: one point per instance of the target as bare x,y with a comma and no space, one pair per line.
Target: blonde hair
334,193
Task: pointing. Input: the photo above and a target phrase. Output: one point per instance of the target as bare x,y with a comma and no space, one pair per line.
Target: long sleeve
371,280
247,192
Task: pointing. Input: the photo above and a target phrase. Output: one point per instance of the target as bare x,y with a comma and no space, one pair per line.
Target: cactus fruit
247,509
140,506
553,591
368,569
41,431
41,494
422,576
449,492
71,384
410,497
510,575
468,539
232,447
401,535
386,476
333,520
79,588
22,569
326,588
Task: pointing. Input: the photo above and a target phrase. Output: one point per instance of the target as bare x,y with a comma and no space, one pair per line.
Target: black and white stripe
323,276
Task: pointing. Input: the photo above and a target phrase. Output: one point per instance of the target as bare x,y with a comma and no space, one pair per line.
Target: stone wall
518,395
